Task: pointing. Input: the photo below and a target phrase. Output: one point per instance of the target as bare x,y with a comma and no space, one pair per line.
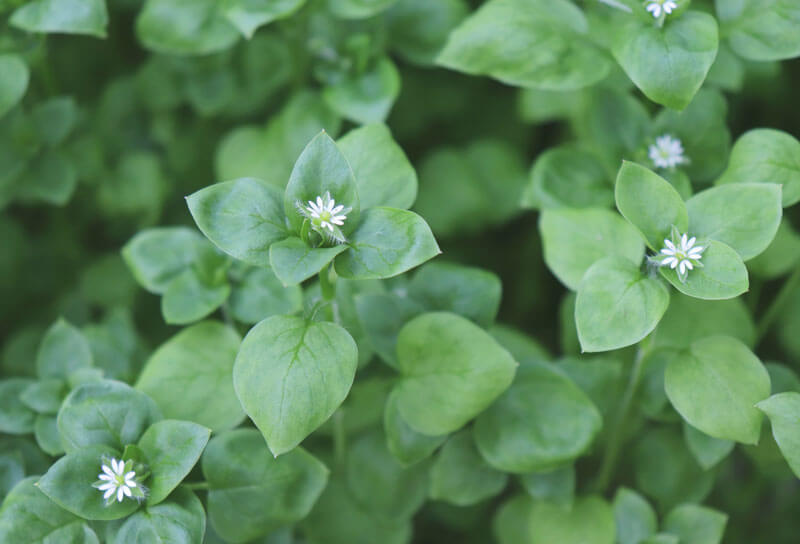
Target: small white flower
667,152
325,216
681,254
118,479
657,7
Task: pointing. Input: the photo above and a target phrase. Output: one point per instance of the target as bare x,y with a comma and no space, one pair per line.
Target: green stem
326,284
777,305
617,5
614,442
339,437
196,485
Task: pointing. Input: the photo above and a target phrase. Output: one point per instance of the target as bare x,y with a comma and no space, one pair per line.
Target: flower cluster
118,480
325,217
667,152
680,254
659,7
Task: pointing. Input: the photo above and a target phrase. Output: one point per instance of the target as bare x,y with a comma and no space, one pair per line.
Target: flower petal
110,492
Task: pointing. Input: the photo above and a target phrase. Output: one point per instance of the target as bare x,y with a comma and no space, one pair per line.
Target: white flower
117,479
325,216
667,152
657,7
681,254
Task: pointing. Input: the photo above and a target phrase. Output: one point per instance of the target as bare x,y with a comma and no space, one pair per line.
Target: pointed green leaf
181,519
63,16
294,261
14,76
722,276
64,349
783,411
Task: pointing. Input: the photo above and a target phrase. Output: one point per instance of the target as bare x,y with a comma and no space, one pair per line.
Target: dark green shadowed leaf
386,243
180,520
556,486
382,316
15,416
63,350
294,261
358,9
617,306
688,319
707,450
249,15
589,521
783,411
761,30
14,76
668,64
261,294
44,396
695,524
251,492
291,374
243,217
368,97
451,371
189,298
407,445
171,448
715,385
418,29
63,16
198,363
184,27
635,518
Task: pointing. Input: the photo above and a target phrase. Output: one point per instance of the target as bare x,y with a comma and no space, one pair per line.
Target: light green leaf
15,417
617,306
668,64
198,362
368,97
45,430
251,492
766,156
188,298
650,203
542,422
722,276
261,294
783,411
407,445
242,217
386,243
63,16
157,256
745,216
384,176
556,486
179,520
171,448
358,9
291,374
249,15
294,261
505,39
695,524
635,518
14,76
460,476
707,450
715,385
451,371
761,30
63,350
574,240
184,27
589,521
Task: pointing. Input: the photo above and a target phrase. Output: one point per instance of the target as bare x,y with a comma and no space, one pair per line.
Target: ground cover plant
399,271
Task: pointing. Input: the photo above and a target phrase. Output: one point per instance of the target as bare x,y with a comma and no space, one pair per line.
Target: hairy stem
777,305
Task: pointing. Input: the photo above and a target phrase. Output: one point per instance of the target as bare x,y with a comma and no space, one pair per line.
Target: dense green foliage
399,271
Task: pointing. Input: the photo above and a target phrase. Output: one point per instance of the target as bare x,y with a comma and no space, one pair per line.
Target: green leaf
722,276
460,476
556,486
172,448
407,445
635,518
715,385
249,15
197,362
105,413
29,516
451,371
188,298
368,97
574,240
650,203
45,431
321,168
418,29
662,538
783,411
473,293
63,350
379,484
242,217
381,317
51,179
504,39
766,156
688,319
386,243
695,524
358,9
511,523
384,176
181,519
13,81
251,492
589,521
294,261
261,294
568,177
617,306
68,483
15,417
707,450
291,374
668,64
157,256
63,16
184,27
782,255
44,396
542,422
55,119
761,30
745,216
